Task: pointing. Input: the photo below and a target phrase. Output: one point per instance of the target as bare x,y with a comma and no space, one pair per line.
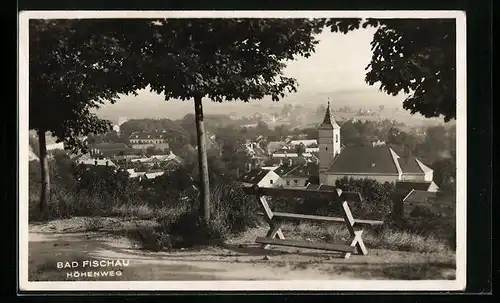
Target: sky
335,72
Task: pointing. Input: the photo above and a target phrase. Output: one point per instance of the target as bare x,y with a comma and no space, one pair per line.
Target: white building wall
329,146
429,176
301,181
266,181
55,146
413,177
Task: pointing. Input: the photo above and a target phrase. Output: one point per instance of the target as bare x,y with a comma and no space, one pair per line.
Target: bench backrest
324,191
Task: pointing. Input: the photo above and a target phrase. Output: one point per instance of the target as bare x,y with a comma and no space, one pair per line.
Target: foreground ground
238,259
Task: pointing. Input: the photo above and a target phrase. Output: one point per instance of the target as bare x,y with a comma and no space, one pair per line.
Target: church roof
364,159
375,159
328,122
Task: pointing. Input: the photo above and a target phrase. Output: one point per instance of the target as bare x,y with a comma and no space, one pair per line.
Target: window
295,182
336,138
326,148
287,182
270,181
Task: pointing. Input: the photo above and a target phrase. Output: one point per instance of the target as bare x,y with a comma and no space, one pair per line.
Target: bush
152,238
190,230
232,212
64,204
58,207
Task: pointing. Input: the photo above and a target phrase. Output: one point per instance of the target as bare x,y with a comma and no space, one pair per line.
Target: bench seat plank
323,218
303,244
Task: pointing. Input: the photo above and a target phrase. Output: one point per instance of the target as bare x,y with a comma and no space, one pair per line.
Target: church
378,161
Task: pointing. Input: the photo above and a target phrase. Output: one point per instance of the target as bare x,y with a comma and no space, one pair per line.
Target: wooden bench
275,220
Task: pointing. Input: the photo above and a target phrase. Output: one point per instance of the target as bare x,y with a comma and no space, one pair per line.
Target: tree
414,56
70,63
77,64
262,128
224,60
300,149
445,170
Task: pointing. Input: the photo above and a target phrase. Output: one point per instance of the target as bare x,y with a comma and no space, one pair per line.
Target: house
416,198
296,175
378,161
211,141
32,156
261,177
312,149
306,143
109,149
419,197
55,146
272,163
166,158
405,187
144,140
257,154
169,162
285,154
135,174
152,175
409,194
274,146
89,161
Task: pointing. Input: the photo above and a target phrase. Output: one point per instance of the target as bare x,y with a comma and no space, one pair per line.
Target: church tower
328,140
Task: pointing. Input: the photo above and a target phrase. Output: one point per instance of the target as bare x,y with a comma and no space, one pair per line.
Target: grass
145,212
155,238
233,213
387,238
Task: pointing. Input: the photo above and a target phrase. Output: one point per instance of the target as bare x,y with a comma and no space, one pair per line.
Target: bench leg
355,234
357,241
275,225
274,232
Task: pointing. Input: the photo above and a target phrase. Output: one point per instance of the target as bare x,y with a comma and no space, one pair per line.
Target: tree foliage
76,66
414,56
225,59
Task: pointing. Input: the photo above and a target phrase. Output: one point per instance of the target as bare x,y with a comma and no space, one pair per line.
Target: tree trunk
202,161
44,169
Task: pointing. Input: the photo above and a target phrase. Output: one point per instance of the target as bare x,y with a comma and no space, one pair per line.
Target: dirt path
239,259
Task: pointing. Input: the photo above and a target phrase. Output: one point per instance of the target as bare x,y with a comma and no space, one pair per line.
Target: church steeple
328,121
328,140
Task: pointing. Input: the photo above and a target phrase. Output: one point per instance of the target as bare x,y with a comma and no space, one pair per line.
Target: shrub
231,212
64,203
190,230
151,237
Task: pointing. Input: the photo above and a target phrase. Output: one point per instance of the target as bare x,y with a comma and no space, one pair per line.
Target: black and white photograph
242,150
